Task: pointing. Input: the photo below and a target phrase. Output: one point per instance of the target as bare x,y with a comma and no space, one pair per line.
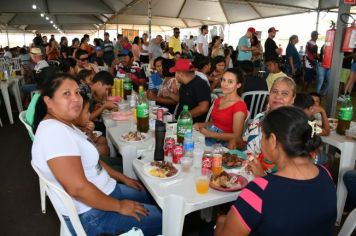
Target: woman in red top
228,115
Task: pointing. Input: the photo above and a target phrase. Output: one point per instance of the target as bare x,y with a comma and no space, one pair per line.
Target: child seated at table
306,103
84,124
156,79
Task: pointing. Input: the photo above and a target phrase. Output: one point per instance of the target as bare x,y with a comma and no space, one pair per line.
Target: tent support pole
24,37
336,64
149,18
117,24
7,35
317,20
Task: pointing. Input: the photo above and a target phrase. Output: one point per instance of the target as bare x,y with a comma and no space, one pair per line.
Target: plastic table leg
5,94
173,215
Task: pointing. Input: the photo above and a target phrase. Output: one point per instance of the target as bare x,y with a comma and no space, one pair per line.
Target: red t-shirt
223,118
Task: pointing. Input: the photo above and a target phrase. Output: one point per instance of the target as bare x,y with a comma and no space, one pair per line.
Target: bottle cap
185,107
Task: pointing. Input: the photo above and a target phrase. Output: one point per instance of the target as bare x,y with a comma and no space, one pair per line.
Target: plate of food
228,182
133,136
161,169
233,159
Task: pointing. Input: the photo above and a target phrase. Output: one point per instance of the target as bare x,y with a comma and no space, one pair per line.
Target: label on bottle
188,145
345,113
127,86
184,126
142,110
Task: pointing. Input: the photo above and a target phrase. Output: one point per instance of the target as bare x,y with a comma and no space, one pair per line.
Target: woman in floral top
282,93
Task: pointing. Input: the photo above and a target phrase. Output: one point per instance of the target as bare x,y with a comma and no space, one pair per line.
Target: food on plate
162,169
232,160
225,180
134,136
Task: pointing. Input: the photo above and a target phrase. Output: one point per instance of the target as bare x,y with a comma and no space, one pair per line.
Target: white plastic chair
146,69
349,225
53,63
66,201
213,98
15,63
257,103
22,117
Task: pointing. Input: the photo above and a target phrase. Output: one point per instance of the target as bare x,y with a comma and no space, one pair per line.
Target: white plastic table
177,197
13,85
347,146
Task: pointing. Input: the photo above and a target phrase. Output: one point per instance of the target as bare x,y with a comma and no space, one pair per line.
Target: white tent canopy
91,15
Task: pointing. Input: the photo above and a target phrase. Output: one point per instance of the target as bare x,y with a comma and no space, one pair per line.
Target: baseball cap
272,29
182,65
35,51
125,52
314,33
251,30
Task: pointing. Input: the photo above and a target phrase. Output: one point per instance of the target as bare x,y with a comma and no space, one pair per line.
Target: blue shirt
155,81
291,51
244,55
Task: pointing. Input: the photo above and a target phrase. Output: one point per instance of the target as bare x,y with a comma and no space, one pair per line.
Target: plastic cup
186,163
202,182
197,157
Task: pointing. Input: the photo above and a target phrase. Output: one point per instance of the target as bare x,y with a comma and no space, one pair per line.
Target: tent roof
91,15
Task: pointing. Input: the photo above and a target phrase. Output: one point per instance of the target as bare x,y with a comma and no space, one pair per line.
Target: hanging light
34,7
47,18
42,15
51,22
54,26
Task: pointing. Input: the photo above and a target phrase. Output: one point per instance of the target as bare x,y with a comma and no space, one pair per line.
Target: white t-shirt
55,139
203,76
202,39
40,65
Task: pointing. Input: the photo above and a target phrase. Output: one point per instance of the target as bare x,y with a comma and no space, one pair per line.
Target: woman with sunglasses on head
282,93
67,157
299,199
228,114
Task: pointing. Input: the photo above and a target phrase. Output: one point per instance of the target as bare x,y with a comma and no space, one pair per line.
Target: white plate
147,167
145,137
97,133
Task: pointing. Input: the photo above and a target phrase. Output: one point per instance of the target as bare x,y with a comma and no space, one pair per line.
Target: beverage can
160,114
169,144
177,153
206,161
216,165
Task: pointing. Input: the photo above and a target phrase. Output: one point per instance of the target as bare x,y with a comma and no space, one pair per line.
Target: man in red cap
271,49
244,46
193,91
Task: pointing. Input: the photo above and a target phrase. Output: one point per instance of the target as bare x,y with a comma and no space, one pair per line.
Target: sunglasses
83,59
177,32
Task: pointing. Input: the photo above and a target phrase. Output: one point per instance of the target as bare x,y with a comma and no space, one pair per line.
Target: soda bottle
188,145
127,87
184,124
142,114
345,116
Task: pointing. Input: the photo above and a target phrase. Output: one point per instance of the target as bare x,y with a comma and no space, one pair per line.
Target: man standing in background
174,43
244,46
202,42
271,49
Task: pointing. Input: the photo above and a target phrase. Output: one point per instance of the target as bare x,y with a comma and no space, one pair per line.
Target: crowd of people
70,86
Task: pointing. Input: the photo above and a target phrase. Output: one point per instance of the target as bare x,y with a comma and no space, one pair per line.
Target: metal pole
7,35
117,24
24,38
317,20
336,64
228,34
149,18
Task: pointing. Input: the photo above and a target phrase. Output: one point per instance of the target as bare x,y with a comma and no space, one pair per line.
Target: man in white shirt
7,53
202,42
36,57
190,43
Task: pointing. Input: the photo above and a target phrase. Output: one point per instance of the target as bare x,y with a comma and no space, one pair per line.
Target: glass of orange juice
202,181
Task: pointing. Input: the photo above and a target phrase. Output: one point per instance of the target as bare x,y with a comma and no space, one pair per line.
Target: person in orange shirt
85,45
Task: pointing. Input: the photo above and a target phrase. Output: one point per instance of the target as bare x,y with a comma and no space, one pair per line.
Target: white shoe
341,98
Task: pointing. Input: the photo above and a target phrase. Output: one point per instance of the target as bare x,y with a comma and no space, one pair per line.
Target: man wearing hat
36,57
311,60
193,91
271,49
244,46
126,65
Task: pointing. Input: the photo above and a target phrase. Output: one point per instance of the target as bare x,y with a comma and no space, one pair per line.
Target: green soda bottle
345,116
